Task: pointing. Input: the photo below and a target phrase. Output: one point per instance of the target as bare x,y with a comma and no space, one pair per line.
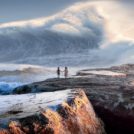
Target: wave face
72,31
80,35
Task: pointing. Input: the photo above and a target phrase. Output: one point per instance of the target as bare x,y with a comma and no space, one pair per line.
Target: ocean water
14,75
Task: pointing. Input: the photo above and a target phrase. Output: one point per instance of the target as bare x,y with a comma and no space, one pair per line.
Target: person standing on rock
58,72
66,72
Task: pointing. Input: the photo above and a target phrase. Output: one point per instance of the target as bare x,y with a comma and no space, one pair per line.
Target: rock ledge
75,116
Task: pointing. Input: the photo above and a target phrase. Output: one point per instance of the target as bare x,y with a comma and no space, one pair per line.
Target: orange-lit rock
76,116
4,131
110,90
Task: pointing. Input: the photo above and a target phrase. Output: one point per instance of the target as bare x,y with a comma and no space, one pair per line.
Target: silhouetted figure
58,72
66,72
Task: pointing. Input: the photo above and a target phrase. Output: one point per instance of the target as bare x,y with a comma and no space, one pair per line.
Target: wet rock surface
110,90
73,116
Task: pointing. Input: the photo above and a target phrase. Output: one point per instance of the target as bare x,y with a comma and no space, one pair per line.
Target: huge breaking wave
56,37
73,37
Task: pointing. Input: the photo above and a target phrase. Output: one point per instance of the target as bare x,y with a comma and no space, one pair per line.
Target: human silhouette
66,72
58,72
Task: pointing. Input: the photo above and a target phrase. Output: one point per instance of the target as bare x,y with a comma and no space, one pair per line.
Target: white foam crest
103,72
14,67
76,19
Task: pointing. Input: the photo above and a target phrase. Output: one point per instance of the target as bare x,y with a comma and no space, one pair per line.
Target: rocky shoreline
110,90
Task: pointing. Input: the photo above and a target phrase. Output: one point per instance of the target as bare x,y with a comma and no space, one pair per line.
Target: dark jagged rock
25,89
74,116
111,91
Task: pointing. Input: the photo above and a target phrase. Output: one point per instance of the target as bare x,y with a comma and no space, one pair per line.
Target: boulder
75,115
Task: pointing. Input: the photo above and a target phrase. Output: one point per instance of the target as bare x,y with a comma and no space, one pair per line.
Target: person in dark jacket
58,72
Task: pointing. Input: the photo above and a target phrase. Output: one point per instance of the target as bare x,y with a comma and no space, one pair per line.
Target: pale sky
14,10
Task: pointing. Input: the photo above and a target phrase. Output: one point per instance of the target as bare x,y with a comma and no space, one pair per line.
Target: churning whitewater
77,34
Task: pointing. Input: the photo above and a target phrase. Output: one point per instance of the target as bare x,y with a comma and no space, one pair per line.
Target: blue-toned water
7,87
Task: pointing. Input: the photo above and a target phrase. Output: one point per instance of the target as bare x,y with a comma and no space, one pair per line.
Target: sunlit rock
74,115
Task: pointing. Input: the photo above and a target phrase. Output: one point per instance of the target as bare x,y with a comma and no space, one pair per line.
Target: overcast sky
13,10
